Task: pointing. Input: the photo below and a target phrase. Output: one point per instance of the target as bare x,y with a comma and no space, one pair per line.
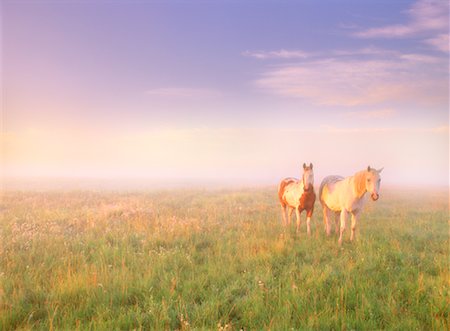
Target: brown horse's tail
281,188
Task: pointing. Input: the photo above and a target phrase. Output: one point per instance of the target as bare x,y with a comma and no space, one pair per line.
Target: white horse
298,195
347,195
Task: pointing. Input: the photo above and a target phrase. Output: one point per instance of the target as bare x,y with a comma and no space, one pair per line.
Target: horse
348,195
298,195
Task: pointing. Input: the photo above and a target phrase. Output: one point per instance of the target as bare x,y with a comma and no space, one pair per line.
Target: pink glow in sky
225,91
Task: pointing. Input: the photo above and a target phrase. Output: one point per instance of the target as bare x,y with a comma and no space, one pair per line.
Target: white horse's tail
328,180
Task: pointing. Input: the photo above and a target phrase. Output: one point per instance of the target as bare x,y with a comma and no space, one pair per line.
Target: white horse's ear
368,168
379,171
304,165
310,165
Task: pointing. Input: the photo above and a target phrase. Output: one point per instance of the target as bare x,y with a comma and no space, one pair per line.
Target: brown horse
299,195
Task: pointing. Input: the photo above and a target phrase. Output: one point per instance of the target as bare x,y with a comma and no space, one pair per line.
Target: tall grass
193,259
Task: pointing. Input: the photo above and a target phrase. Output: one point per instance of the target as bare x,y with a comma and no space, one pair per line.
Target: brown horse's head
308,177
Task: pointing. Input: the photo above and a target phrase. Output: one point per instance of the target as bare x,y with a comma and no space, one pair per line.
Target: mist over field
150,185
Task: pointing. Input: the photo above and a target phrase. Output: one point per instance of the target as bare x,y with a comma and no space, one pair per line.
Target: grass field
218,260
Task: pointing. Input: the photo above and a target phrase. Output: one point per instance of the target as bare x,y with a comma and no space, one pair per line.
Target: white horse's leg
343,221
297,213
326,220
354,221
283,214
308,225
290,210
336,222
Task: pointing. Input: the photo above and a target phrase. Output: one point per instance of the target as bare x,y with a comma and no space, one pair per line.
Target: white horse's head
373,181
308,177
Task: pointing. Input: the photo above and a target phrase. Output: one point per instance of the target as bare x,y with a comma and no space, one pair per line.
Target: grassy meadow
218,260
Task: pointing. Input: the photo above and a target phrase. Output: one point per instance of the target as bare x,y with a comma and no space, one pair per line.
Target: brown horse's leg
283,214
297,212
290,210
308,221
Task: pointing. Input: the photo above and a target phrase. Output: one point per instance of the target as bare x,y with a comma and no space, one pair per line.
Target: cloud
370,75
280,54
424,16
375,52
369,51
355,81
365,51
347,26
302,55
440,42
439,130
371,114
183,92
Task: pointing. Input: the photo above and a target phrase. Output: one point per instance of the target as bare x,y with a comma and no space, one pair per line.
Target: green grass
218,260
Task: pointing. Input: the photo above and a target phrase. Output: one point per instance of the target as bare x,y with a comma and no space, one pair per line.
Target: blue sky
226,90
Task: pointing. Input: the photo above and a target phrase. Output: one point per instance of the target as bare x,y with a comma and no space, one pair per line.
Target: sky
225,91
